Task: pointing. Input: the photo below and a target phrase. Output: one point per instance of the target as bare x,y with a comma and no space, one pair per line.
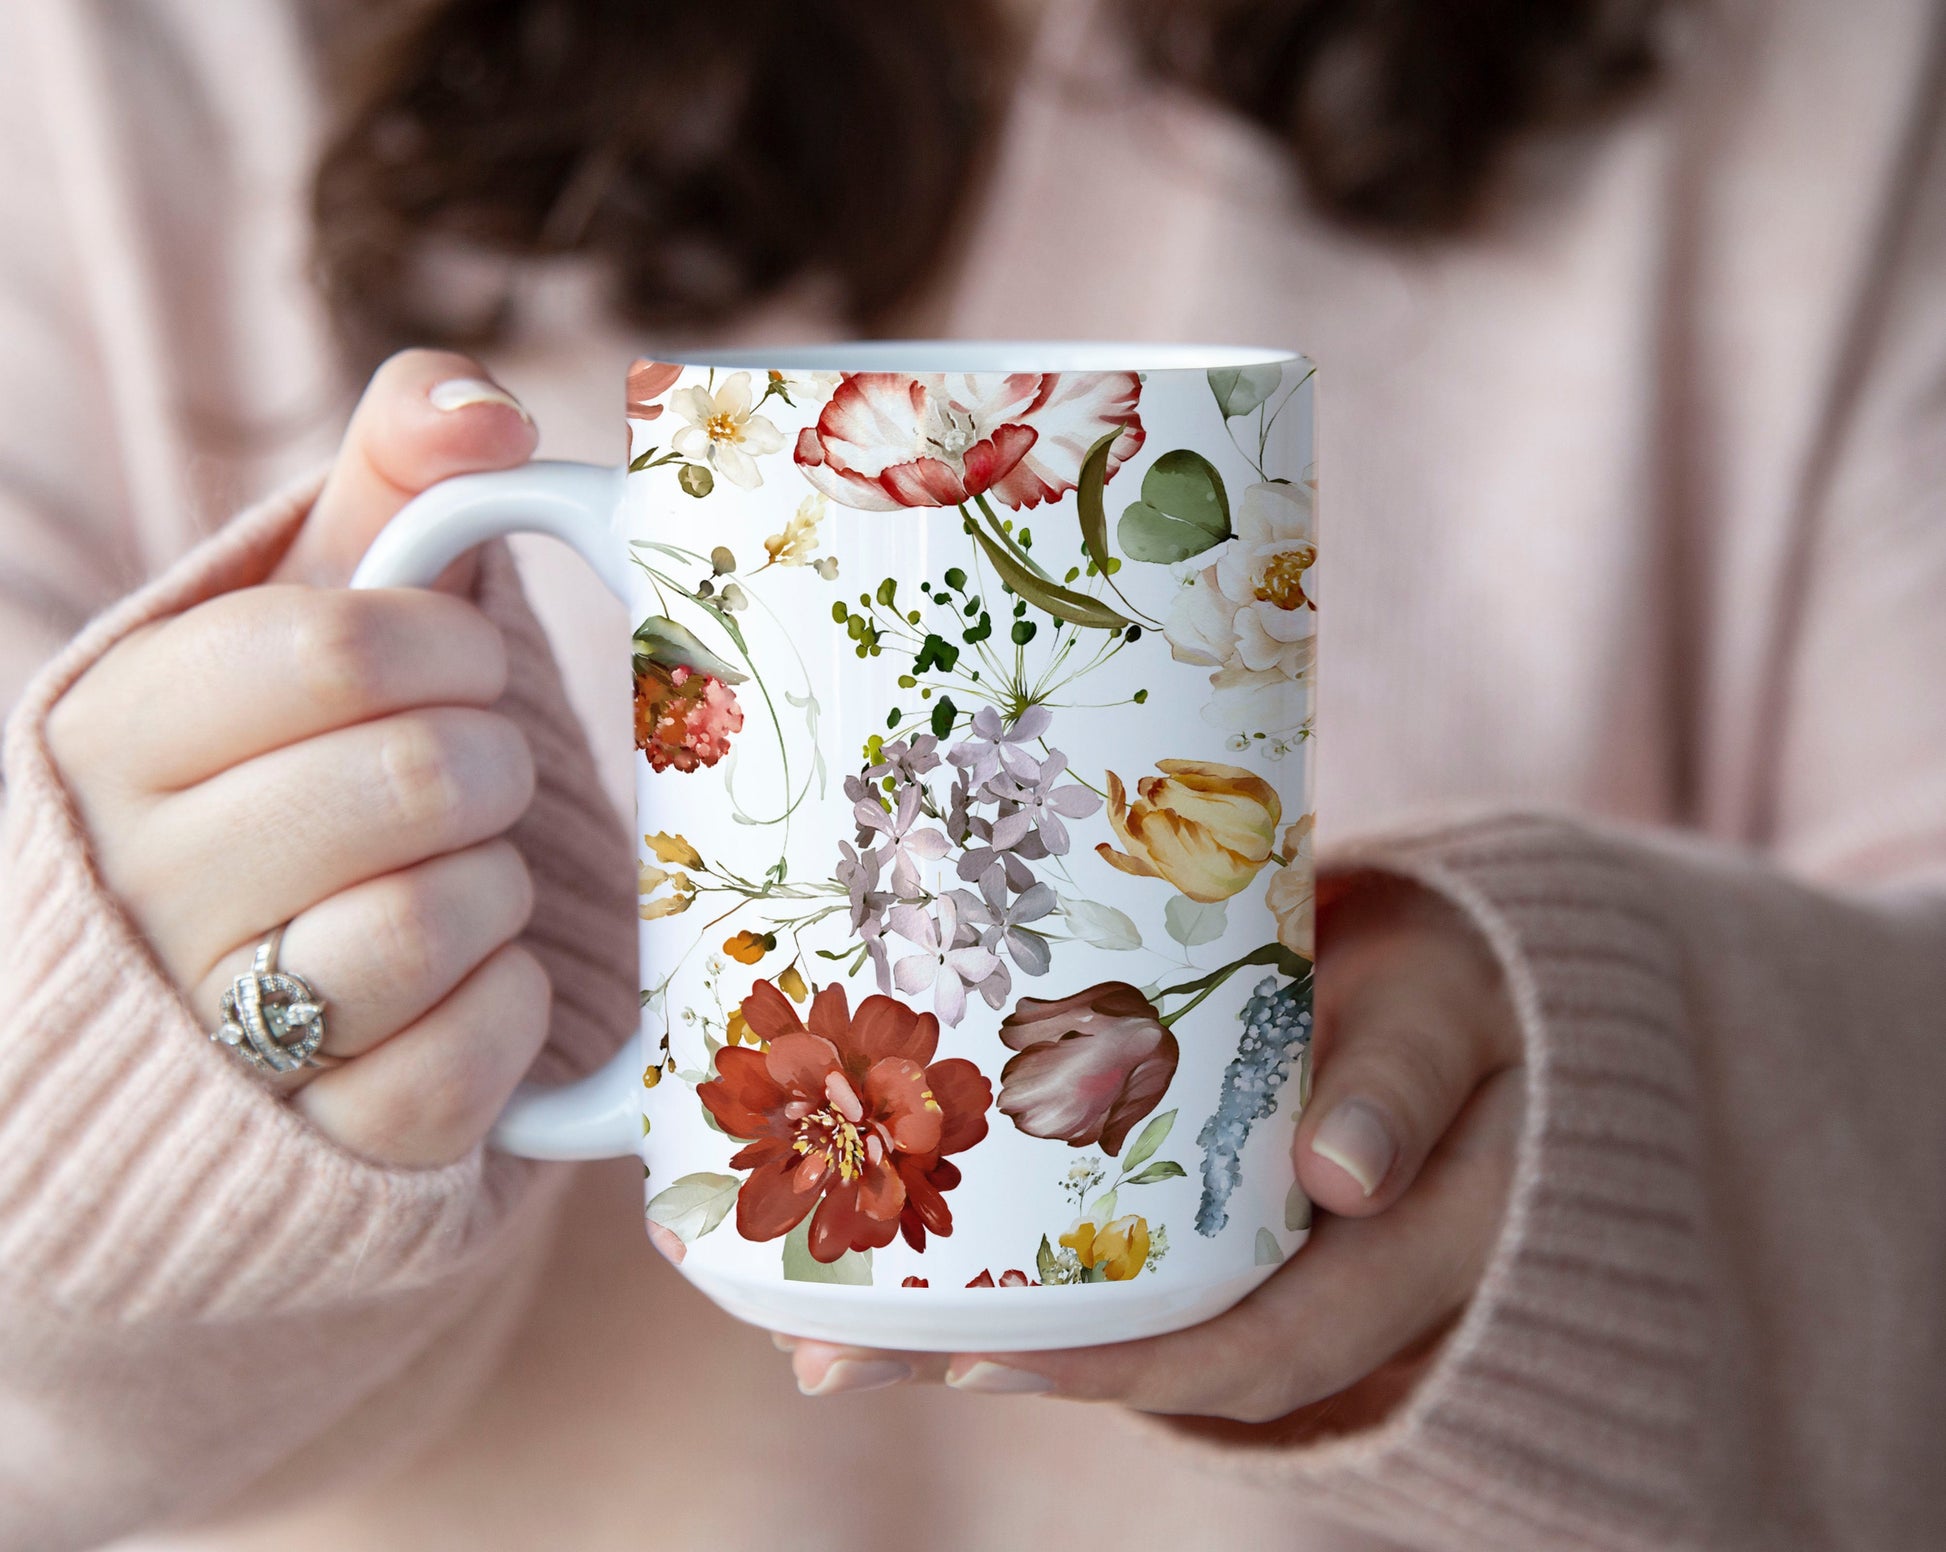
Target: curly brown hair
709,159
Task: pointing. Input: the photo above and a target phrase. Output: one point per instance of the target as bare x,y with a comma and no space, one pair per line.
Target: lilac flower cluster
1007,810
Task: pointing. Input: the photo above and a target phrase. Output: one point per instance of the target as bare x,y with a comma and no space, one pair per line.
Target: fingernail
849,1374
462,392
783,1344
1355,1138
996,1379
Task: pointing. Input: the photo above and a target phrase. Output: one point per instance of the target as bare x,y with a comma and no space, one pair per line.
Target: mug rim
984,356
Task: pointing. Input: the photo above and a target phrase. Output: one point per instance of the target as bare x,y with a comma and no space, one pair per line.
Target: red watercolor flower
1090,1066
683,718
887,440
915,1282
647,382
1008,1279
850,1116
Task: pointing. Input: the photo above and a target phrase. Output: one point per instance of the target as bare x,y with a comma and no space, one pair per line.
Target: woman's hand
1408,1144
300,753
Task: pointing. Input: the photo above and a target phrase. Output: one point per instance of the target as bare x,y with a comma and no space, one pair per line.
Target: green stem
1274,954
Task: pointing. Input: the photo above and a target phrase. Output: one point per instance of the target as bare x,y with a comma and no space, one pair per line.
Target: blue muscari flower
1276,1027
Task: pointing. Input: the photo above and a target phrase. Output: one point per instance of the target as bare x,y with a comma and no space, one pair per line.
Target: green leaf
641,460
1191,922
1184,510
1269,1252
1149,1139
853,1268
1102,1208
1087,499
662,640
696,479
1161,1169
1297,1209
1045,1264
694,1205
1062,603
944,715
1101,925
1240,389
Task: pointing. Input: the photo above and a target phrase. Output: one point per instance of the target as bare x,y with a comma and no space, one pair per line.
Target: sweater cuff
1564,1407
143,1172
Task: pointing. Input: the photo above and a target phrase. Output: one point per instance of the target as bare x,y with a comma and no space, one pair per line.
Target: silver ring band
271,1018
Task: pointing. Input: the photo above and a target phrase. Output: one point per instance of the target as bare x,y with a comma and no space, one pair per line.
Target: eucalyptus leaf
1297,1209
1184,510
1101,925
662,640
1269,1252
853,1268
694,1205
1240,389
1191,922
1063,603
1161,1169
1148,1140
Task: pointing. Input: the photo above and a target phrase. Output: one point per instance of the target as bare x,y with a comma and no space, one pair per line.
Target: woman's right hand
301,753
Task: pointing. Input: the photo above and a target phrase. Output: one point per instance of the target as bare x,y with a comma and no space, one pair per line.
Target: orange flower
791,983
746,948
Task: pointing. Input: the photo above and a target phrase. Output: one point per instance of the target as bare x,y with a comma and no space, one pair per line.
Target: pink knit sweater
1638,514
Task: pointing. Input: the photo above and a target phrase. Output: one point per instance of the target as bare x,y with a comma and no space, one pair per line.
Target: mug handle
598,1117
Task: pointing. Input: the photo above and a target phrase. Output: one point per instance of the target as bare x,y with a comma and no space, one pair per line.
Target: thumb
1413,1016
425,416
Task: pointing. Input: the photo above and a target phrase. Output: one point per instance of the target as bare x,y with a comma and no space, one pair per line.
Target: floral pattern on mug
978,854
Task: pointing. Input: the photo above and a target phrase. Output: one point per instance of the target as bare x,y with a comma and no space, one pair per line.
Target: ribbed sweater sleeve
1711,1319
194,1284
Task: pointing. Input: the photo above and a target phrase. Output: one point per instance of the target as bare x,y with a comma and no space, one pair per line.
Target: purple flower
1039,806
948,960
998,747
999,922
900,844
906,762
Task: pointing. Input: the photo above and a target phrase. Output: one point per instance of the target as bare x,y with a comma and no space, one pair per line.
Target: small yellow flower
799,540
791,984
746,948
648,879
737,1030
1117,1249
673,848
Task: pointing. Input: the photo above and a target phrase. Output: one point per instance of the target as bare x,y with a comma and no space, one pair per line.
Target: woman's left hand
1408,1145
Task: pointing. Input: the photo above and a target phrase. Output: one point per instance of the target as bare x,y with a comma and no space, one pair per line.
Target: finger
1411,1017
384,953
429,1094
255,670
828,1369
254,846
1360,1292
426,415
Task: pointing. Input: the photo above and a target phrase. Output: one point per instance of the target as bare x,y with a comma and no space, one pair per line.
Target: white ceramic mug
973,703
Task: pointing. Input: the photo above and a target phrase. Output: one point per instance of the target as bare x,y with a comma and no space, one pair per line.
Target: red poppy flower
850,1116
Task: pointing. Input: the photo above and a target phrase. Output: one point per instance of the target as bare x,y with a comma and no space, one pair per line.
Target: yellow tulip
1206,828
1117,1249
791,984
